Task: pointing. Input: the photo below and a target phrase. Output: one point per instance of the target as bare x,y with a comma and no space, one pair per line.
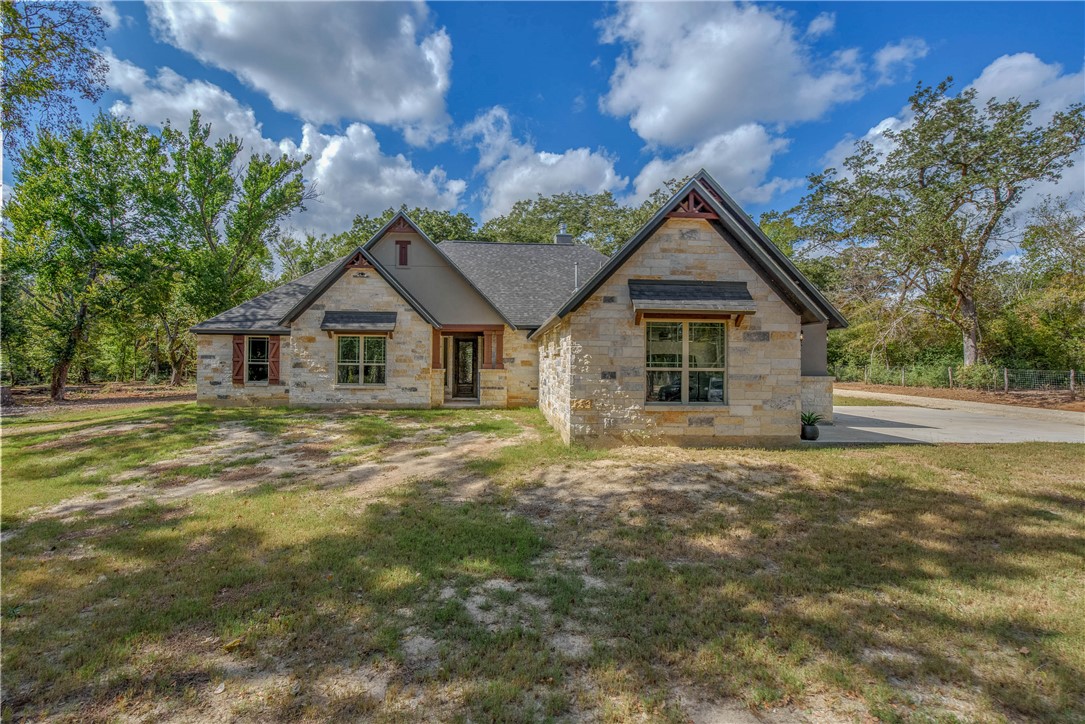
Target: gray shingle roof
263,313
526,282
665,294
359,321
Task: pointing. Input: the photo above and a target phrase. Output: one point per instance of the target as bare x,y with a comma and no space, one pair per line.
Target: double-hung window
256,359
361,359
686,362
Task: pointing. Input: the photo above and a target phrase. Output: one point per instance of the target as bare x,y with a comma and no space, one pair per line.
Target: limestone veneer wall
521,359
817,396
555,360
214,375
605,349
408,377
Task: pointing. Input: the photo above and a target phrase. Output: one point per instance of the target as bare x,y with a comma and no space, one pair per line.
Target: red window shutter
239,358
402,245
273,360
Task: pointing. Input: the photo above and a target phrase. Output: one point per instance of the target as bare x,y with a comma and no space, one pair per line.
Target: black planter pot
810,432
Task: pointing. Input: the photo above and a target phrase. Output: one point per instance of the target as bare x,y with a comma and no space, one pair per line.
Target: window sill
683,406
359,386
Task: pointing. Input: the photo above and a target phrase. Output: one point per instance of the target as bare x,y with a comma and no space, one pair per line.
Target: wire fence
973,377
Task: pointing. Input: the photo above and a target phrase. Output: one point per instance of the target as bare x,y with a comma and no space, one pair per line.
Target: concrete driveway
931,420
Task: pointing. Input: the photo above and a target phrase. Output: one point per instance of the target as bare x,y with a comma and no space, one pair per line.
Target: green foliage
930,213
48,55
810,418
298,256
597,220
437,225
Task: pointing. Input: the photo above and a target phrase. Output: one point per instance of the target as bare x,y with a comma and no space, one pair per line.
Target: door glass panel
465,361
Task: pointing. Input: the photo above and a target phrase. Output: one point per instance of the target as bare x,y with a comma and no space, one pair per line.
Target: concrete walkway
935,420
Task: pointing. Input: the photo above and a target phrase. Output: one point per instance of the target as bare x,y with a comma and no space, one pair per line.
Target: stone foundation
493,388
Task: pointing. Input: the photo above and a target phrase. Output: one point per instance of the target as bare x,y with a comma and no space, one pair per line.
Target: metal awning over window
359,322
692,299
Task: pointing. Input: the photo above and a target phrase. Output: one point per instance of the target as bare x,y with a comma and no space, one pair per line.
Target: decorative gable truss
692,206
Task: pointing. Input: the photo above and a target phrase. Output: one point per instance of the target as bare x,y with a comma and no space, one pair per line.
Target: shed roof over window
694,296
359,321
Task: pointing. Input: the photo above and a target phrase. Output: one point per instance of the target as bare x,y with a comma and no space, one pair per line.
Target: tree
597,220
934,208
437,225
49,55
83,205
228,214
298,256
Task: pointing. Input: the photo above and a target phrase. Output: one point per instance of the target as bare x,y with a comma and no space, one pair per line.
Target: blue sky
470,106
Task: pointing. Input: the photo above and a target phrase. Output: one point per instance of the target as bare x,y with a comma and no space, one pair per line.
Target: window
686,362
360,360
402,245
256,359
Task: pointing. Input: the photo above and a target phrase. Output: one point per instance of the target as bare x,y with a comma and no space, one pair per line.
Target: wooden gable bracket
401,226
359,262
692,207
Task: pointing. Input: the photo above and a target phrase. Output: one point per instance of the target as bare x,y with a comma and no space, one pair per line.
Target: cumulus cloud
822,24
897,59
348,169
739,160
327,61
692,71
515,170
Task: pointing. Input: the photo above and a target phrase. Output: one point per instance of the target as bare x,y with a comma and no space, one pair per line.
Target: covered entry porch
468,366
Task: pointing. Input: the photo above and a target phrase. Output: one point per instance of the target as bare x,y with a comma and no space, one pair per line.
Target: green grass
912,583
849,401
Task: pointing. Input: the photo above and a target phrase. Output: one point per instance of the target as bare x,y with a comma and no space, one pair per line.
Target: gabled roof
526,283
330,279
272,312
726,215
398,221
264,314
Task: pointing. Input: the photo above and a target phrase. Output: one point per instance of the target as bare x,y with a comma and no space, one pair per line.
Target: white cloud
896,59
822,24
109,12
739,160
349,169
515,170
692,71
1023,76
326,61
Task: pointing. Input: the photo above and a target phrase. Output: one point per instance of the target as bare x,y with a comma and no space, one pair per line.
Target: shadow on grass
136,607
875,585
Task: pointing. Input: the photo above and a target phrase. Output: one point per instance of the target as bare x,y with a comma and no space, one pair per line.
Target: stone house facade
697,331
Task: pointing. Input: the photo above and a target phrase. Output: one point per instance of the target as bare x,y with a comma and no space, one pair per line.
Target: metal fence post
1071,383
1005,380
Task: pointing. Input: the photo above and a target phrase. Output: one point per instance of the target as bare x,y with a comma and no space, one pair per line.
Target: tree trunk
970,331
58,381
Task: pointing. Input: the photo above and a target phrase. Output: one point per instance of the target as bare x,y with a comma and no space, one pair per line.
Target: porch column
487,350
499,357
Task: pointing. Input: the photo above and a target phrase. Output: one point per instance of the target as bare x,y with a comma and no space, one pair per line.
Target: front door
465,361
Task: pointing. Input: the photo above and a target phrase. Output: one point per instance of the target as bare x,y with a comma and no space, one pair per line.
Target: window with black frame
256,359
685,362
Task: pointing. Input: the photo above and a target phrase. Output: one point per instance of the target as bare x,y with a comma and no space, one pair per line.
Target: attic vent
563,236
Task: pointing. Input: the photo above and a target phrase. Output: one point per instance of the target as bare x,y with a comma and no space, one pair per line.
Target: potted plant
810,422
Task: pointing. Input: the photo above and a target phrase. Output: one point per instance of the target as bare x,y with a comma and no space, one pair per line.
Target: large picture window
256,359
685,362
360,360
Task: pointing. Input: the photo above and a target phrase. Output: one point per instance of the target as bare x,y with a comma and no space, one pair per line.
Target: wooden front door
465,364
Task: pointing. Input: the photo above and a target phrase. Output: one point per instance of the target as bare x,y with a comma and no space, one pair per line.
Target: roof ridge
519,243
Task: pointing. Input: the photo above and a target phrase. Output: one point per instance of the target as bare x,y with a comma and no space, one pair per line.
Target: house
697,331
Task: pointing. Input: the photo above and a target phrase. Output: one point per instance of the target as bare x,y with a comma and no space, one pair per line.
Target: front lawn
180,562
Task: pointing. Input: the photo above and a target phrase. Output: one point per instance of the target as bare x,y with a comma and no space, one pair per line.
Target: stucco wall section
214,375
312,371
555,359
521,359
763,356
817,396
